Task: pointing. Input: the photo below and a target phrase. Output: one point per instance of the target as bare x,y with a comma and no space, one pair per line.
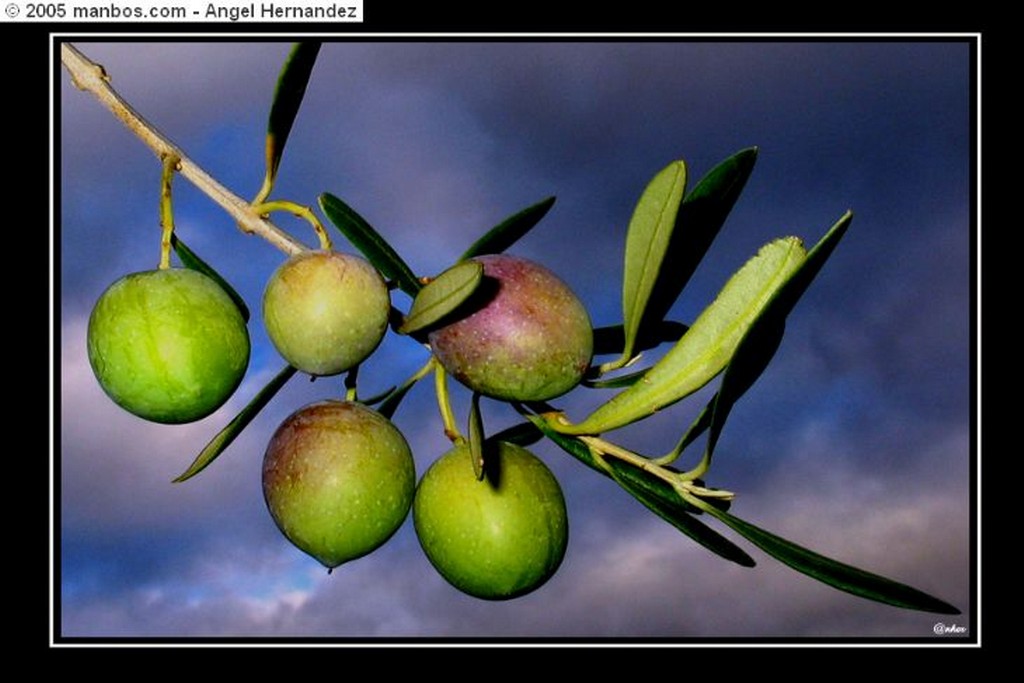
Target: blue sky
856,442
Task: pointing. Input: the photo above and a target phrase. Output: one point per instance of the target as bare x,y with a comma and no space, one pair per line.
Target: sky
856,442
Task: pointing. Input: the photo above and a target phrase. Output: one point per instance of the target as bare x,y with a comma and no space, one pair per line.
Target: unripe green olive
527,337
338,480
168,345
496,538
325,311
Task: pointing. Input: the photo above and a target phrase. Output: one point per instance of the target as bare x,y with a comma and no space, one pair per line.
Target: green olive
496,538
325,311
168,345
338,479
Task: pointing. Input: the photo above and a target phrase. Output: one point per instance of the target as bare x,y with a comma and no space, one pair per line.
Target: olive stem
299,210
350,384
683,483
170,164
92,78
698,471
265,190
451,430
607,448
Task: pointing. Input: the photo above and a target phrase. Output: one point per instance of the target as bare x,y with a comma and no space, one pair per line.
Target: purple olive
522,336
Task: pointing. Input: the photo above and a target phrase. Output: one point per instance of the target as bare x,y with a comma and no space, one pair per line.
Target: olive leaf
830,572
505,234
291,88
709,344
190,260
367,240
225,436
376,398
389,404
661,499
612,338
760,343
442,295
647,239
698,221
476,437
522,434
615,382
762,340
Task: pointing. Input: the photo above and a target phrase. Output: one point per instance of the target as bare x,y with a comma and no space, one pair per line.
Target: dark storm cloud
859,427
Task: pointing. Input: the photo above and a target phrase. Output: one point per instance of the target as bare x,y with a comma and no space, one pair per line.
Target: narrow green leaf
390,403
522,434
291,88
615,382
476,437
709,344
379,398
653,493
442,295
509,231
570,445
836,574
612,338
647,239
370,243
701,216
190,260
762,340
661,499
224,438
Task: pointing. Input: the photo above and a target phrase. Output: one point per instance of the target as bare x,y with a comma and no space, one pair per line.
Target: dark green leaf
390,403
652,492
190,260
701,216
836,574
224,438
370,243
291,87
699,426
762,340
647,240
505,234
619,382
570,444
442,295
476,437
523,434
612,338
378,398
659,497
707,347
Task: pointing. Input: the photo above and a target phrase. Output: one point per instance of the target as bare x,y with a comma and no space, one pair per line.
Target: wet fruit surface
325,312
527,338
338,479
496,538
168,345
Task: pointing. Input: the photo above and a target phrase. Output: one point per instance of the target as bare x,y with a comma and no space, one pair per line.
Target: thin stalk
166,210
680,482
444,404
298,210
351,378
91,77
